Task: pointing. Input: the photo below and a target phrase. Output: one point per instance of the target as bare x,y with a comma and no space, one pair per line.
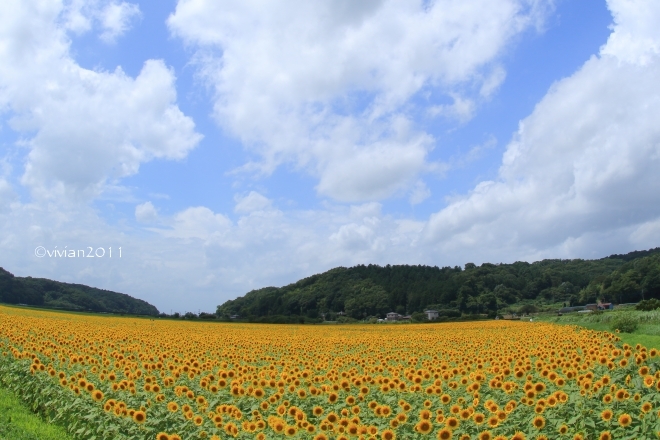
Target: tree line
65,296
372,291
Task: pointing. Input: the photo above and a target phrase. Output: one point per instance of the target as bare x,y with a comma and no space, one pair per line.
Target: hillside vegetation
364,291
54,294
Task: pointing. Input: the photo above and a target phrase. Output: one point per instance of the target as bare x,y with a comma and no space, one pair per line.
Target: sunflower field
125,378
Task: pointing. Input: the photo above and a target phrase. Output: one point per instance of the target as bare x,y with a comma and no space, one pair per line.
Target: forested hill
54,294
373,290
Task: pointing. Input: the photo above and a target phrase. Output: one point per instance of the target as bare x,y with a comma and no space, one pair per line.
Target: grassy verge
647,333
18,423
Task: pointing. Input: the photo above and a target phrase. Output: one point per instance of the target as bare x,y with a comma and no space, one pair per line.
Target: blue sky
227,146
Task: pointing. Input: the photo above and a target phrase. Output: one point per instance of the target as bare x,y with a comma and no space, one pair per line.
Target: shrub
419,317
624,323
527,309
649,304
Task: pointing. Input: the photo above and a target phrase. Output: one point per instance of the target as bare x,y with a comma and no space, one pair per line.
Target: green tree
366,299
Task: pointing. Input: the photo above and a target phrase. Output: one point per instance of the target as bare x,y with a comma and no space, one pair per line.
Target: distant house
406,318
341,313
431,314
234,317
571,309
393,316
511,317
599,306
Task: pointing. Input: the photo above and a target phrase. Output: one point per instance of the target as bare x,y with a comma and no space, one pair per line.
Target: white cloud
111,17
636,36
7,194
353,237
198,222
419,193
252,202
146,213
116,19
462,109
493,82
319,84
583,165
83,128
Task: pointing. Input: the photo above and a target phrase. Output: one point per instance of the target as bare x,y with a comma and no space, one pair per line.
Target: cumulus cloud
7,194
198,222
461,109
252,202
83,128
146,213
112,18
636,37
419,193
584,163
116,19
319,85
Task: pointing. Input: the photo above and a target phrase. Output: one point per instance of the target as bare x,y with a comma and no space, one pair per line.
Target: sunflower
518,436
452,422
388,434
97,395
485,435
424,426
563,429
538,422
175,437
647,407
139,416
445,434
625,420
605,435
